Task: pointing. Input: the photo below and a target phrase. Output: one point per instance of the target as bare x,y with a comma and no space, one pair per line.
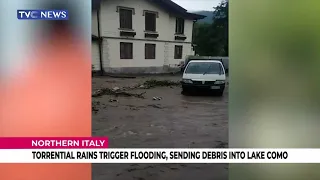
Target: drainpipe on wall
100,41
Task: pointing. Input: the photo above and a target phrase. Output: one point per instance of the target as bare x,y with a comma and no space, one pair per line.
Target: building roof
168,5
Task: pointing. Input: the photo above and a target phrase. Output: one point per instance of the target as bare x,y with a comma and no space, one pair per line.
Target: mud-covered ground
175,121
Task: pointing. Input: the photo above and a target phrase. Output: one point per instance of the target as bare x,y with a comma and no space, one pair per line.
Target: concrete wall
94,23
186,51
95,56
113,63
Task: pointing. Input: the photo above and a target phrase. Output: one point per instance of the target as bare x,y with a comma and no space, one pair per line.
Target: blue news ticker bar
42,14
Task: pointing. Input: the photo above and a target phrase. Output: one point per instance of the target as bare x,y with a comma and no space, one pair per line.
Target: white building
140,36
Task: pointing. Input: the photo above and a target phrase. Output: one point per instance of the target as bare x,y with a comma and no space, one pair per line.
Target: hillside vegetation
209,16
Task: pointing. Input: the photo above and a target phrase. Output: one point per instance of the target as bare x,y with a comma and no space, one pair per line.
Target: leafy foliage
209,16
211,39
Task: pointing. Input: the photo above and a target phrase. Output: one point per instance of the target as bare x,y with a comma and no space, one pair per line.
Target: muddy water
175,121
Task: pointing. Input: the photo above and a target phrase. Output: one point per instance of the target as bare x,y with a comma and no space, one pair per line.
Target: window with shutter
178,52
150,51
126,50
150,21
125,18
179,26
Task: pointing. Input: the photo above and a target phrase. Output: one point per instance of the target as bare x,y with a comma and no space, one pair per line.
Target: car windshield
204,68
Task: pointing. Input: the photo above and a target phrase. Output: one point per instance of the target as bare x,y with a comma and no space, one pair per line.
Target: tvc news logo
42,14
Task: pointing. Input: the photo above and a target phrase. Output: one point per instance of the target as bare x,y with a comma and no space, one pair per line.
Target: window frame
156,15
146,51
176,49
124,26
123,51
180,25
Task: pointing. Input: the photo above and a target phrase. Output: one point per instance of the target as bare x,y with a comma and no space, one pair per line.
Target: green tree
220,29
202,37
212,39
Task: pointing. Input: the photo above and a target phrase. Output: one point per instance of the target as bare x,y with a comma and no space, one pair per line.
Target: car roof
215,61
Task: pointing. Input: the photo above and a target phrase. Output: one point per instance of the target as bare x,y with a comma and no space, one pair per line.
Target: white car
204,74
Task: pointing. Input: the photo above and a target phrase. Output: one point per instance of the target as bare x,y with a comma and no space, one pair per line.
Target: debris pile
116,89
221,144
122,91
155,106
159,83
116,92
94,106
157,98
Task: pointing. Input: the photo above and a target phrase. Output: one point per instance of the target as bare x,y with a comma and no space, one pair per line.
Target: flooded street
162,119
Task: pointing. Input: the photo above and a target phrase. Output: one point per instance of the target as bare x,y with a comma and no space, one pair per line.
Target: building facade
140,36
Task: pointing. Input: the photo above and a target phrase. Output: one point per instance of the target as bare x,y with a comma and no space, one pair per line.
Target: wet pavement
175,121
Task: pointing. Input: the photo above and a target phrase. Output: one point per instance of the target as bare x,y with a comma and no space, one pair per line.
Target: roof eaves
195,16
174,5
